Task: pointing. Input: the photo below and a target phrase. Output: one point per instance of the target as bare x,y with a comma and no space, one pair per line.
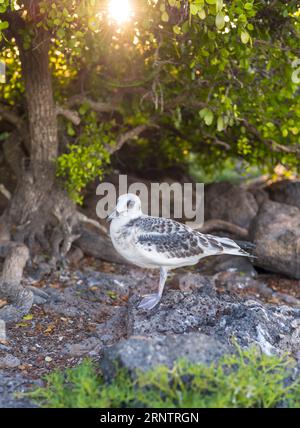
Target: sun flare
119,10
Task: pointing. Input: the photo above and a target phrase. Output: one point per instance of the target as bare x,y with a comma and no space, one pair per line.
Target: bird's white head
128,207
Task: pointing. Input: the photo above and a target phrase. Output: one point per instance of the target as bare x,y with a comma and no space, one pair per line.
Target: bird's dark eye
130,204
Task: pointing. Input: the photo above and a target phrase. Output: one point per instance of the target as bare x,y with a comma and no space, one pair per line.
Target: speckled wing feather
168,239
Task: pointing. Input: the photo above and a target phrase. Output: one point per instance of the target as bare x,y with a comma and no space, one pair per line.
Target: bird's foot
149,301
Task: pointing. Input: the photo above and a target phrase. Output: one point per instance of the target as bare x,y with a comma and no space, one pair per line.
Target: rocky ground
91,311
92,305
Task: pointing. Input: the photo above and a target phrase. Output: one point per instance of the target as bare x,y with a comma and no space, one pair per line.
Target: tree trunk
39,178
40,214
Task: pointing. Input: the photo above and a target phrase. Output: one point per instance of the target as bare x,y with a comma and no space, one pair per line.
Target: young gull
161,243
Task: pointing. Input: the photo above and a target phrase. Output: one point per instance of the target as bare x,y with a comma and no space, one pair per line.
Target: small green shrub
245,379
87,157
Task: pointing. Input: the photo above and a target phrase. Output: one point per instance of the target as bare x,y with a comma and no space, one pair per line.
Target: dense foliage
246,379
197,81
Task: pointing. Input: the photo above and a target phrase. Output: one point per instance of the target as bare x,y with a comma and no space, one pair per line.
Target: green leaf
27,317
220,123
84,108
165,17
202,112
285,13
4,25
245,37
61,33
70,130
185,27
243,18
93,24
219,5
194,9
202,14
220,20
209,117
211,1
176,29
248,6
112,294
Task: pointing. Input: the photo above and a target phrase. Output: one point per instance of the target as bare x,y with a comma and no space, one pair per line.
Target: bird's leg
152,300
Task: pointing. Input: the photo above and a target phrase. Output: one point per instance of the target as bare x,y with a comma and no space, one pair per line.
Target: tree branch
99,106
268,45
273,145
129,135
224,226
5,192
71,115
281,148
84,219
12,118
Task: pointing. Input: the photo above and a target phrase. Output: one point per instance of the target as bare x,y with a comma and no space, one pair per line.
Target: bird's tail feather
237,252
246,245
236,248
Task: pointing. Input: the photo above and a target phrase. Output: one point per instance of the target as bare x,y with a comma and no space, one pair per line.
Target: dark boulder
229,202
276,234
144,353
286,192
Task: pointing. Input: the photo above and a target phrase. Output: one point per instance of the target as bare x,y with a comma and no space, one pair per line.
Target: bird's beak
112,215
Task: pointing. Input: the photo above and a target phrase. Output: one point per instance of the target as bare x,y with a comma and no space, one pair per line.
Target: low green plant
83,387
245,379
